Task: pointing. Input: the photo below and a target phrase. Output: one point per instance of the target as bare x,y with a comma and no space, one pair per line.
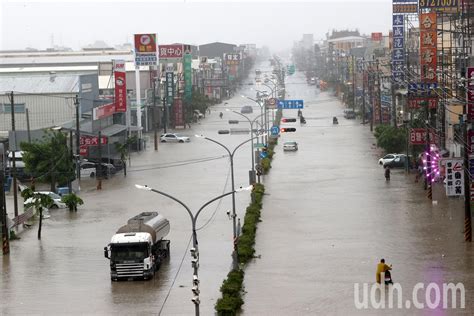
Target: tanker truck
137,249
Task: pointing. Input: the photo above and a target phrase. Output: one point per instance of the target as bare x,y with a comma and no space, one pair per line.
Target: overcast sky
276,24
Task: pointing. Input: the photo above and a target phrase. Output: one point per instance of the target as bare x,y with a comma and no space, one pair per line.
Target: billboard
428,41
470,92
103,111
422,102
188,77
376,37
178,113
120,86
169,87
232,59
145,49
398,48
418,136
454,177
171,51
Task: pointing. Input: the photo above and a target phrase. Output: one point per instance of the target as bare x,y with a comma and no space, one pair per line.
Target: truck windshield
121,252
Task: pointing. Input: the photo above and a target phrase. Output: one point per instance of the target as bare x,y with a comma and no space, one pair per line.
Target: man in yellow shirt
381,269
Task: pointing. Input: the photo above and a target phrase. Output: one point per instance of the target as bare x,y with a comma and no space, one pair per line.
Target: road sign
259,168
290,104
271,103
275,130
259,145
263,154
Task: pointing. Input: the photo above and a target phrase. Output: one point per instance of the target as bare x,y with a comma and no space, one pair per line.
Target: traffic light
288,120
287,129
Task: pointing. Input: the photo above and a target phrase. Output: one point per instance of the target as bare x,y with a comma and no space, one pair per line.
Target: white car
174,138
88,169
387,158
57,203
290,146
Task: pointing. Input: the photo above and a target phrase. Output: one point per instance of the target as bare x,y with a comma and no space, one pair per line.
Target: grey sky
274,23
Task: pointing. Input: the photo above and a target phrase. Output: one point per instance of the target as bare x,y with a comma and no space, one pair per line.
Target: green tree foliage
124,151
39,202
72,201
49,160
198,102
390,138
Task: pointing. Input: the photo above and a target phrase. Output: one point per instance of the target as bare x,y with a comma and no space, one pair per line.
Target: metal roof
40,84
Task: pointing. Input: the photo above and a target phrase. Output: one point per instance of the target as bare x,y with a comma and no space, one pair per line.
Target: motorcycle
302,120
334,120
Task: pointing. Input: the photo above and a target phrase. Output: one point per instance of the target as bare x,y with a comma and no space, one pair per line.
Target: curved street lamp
262,112
195,249
252,146
234,216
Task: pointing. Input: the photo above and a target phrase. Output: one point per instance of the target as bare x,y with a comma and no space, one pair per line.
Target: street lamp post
195,249
234,215
252,177
263,117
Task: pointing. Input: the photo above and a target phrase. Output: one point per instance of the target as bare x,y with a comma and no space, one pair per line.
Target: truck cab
137,250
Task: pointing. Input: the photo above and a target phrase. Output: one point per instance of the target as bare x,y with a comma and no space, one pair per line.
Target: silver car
290,146
174,138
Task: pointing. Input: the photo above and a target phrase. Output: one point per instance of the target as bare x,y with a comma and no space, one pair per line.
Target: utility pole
13,168
3,213
153,116
71,155
100,168
353,84
28,124
363,93
467,177
379,94
78,149
371,97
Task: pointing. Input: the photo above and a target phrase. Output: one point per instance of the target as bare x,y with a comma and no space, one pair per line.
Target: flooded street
330,216
66,271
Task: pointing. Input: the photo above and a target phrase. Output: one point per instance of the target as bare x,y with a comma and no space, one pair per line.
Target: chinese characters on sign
427,4
85,140
454,177
428,39
103,111
170,51
405,7
178,113
398,51
169,87
188,79
470,92
145,49
120,86
232,59
418,136
417,103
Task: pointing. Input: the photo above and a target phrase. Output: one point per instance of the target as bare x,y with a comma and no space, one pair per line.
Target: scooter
302,120
334,120
388,278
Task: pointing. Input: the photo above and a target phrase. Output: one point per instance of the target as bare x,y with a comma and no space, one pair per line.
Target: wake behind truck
137,249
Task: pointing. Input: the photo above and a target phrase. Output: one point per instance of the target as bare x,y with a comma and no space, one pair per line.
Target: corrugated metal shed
40,84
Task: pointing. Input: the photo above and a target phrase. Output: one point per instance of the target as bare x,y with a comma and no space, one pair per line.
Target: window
7,108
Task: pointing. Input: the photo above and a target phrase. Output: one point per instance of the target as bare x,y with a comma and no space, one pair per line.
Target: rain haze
74,24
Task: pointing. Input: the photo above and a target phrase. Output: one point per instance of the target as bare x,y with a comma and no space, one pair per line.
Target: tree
49,160
39,201
124,152
390,138
72,201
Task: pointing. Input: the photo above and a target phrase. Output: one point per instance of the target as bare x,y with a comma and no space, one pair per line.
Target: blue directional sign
275,130
290,104
263,154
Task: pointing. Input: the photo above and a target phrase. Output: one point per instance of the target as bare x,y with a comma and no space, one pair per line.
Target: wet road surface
66,272
329,216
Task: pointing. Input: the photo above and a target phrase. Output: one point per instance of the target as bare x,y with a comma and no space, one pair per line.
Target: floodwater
330,216
66,272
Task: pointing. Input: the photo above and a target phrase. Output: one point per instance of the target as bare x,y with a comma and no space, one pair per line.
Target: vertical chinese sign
145,49
470,117
120,86
178,113
428,39
188,79
169,87
398,52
